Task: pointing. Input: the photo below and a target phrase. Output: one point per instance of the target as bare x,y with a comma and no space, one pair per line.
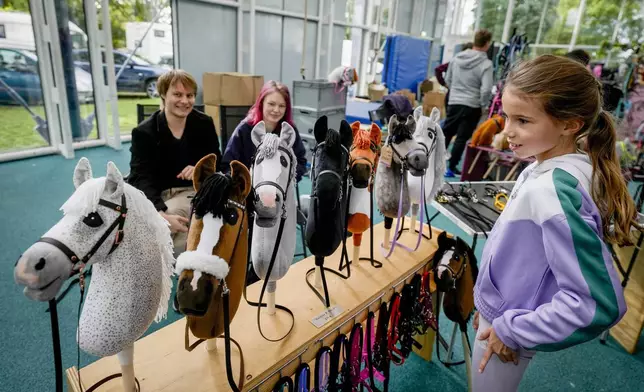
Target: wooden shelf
161,362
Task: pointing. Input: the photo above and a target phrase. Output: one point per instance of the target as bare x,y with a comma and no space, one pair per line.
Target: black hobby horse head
324,228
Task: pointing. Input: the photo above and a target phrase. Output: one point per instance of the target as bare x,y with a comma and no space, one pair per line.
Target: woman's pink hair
256,112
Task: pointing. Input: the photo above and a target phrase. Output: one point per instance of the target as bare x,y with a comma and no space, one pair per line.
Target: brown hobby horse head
363,160
217,247
455,273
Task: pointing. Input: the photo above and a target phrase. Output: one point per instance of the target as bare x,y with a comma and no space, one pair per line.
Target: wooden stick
492,165
468,361
126,359
476,159
270,303
356,254
211,345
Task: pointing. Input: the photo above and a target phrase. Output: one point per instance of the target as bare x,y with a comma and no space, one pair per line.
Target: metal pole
251,48
618,26
479,14
111,80
133,52
421,26
390,16
66,50
366,47
376,44
505,38
318,40
543,17
240,40
575,32
329,44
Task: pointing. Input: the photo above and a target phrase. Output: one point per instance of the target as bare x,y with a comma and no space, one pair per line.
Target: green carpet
32,191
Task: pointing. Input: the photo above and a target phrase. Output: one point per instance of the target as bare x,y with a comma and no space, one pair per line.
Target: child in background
547,280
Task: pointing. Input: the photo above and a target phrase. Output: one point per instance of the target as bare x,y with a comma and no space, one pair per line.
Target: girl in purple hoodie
547,280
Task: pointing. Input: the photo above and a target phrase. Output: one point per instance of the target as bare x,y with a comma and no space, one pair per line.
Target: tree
598,21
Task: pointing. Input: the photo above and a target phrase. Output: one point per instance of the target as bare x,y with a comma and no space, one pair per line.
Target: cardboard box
433,99
377,92
410,96
213,111
231,88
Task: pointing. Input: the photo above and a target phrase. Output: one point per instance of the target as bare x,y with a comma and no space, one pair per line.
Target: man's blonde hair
173,77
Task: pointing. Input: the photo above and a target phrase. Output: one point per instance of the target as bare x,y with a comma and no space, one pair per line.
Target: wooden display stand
161,362
627,332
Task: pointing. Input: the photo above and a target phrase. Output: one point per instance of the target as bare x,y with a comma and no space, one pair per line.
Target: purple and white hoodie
547,279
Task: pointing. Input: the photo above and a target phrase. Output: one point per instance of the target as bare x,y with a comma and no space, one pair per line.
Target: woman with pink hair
273,106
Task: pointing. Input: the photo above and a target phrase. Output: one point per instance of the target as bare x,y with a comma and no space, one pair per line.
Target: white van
16,32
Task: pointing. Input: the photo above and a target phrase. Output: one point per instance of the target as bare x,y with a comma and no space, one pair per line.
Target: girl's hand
475,322
496,346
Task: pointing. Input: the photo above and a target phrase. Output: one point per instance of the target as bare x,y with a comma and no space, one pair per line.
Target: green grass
17,128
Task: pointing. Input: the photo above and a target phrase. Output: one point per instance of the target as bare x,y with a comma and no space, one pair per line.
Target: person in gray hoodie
469,78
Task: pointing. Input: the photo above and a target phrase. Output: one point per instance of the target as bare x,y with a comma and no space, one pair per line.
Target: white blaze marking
195,279
444,261
210,234
359,203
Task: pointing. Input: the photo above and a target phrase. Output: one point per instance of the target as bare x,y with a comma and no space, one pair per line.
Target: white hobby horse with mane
112,226
273,176
428,134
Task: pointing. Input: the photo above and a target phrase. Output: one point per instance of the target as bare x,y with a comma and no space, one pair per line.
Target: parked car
139,75
19,70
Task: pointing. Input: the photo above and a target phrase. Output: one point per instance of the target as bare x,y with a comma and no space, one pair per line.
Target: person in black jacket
272,106
167,146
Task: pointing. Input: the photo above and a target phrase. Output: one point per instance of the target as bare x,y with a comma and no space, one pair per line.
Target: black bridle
276,246
352,161
275,184
454,274
340,176
225,296
404,160
79,263
78,267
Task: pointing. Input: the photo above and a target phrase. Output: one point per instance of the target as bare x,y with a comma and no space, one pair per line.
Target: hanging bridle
79,263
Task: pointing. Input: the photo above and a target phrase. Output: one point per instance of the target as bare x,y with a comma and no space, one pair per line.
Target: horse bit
93,218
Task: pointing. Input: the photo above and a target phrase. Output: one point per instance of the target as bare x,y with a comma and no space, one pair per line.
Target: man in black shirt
166,147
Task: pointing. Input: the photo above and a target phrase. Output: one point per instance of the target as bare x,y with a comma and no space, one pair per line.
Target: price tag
326,316
386,155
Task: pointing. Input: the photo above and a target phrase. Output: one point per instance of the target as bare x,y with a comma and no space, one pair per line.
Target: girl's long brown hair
568,91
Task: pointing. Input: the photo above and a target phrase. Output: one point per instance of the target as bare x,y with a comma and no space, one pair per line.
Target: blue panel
406,62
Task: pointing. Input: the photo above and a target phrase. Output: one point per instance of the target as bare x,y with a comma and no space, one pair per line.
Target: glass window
81,55
119,59
159,33
493,17
3,34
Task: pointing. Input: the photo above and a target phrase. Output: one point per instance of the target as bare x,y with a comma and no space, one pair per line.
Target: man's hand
186,173
475,322
178,224
496,346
